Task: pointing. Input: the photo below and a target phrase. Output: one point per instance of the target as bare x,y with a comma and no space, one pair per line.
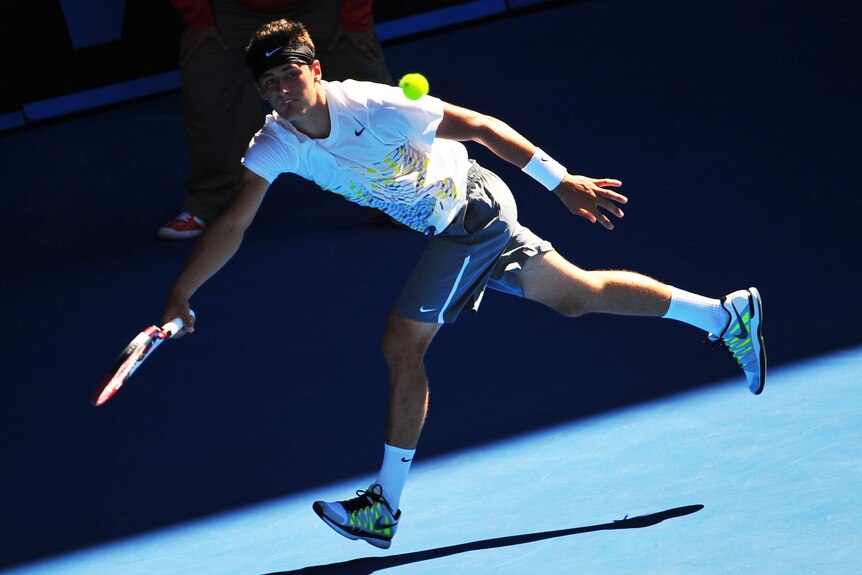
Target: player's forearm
216,246
222,238
505,142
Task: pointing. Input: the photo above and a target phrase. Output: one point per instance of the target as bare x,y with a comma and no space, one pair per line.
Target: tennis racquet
132,357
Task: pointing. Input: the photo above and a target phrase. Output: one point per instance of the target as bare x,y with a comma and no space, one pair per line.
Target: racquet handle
171,328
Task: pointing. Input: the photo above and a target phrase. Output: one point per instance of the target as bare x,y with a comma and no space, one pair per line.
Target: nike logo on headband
271,52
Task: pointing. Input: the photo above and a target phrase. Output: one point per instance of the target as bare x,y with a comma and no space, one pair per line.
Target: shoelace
365,511
713,343
742,352
365,499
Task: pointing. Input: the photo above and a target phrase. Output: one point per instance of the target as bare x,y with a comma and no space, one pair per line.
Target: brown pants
222,109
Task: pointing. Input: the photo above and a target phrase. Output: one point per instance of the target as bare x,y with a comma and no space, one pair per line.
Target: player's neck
315,122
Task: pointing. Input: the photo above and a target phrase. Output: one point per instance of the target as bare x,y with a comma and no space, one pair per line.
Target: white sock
393,472
703,312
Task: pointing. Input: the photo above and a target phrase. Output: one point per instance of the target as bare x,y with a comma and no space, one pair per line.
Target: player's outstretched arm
586,197
215,247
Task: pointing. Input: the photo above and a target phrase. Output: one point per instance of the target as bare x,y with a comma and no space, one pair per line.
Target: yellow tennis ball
414,85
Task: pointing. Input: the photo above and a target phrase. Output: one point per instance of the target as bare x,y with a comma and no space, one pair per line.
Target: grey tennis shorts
484,246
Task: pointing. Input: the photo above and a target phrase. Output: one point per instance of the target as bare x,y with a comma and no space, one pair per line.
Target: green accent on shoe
742,337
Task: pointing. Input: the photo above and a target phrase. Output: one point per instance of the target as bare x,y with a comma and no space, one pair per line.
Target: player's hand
364,42
590,198
194,38
178,306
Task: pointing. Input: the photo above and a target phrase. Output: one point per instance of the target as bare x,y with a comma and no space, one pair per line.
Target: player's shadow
368,565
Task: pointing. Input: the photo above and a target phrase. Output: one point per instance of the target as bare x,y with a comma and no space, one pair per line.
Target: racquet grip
175,325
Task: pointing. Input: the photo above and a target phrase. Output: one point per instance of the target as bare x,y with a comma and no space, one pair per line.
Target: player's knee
586,299
399,349
572,308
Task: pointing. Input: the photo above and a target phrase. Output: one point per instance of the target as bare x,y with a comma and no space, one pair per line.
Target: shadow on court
368,565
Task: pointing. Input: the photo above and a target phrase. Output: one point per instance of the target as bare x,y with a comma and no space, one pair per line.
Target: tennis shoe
367,516
184,226
743,337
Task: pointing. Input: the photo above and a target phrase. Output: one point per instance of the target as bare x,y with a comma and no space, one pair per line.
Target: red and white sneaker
182,227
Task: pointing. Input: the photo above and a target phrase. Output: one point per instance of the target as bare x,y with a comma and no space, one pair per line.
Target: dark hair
276,43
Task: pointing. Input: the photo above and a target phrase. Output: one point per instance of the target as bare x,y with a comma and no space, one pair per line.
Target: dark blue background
734,127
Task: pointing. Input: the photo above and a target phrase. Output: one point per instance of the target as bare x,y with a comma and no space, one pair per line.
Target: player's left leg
373,514
734,321
450,277
552,280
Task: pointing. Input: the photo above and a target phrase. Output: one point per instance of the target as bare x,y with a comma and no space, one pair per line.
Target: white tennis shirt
381,152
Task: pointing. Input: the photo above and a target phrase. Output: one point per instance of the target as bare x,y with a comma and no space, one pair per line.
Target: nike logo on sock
405,460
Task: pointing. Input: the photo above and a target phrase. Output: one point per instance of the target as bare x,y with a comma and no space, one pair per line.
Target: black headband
262,59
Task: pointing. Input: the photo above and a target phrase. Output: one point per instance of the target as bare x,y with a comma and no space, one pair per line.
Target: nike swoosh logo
379,525
743,333
362,128
271,52
405,460
424,310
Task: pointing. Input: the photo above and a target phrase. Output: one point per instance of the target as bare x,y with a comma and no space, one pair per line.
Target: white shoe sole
757,341
380,543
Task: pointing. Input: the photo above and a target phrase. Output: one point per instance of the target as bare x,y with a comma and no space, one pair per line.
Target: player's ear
316,71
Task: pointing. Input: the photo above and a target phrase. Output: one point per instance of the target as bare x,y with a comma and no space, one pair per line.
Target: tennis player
372,145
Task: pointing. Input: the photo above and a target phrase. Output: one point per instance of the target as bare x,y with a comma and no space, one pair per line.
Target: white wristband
545,170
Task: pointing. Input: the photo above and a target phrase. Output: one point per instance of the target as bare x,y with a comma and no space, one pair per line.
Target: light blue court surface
728,482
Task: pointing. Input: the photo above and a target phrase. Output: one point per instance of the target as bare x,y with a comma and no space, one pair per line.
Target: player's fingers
608,194
611,207
587,215
188,321
183,314
603,219
608,182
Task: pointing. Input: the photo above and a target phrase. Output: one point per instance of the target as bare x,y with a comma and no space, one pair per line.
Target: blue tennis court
602,444
707,481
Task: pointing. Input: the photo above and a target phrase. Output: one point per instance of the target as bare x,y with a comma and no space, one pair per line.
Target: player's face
291,89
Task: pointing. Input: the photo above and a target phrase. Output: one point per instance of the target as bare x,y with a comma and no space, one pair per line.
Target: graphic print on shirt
398,186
